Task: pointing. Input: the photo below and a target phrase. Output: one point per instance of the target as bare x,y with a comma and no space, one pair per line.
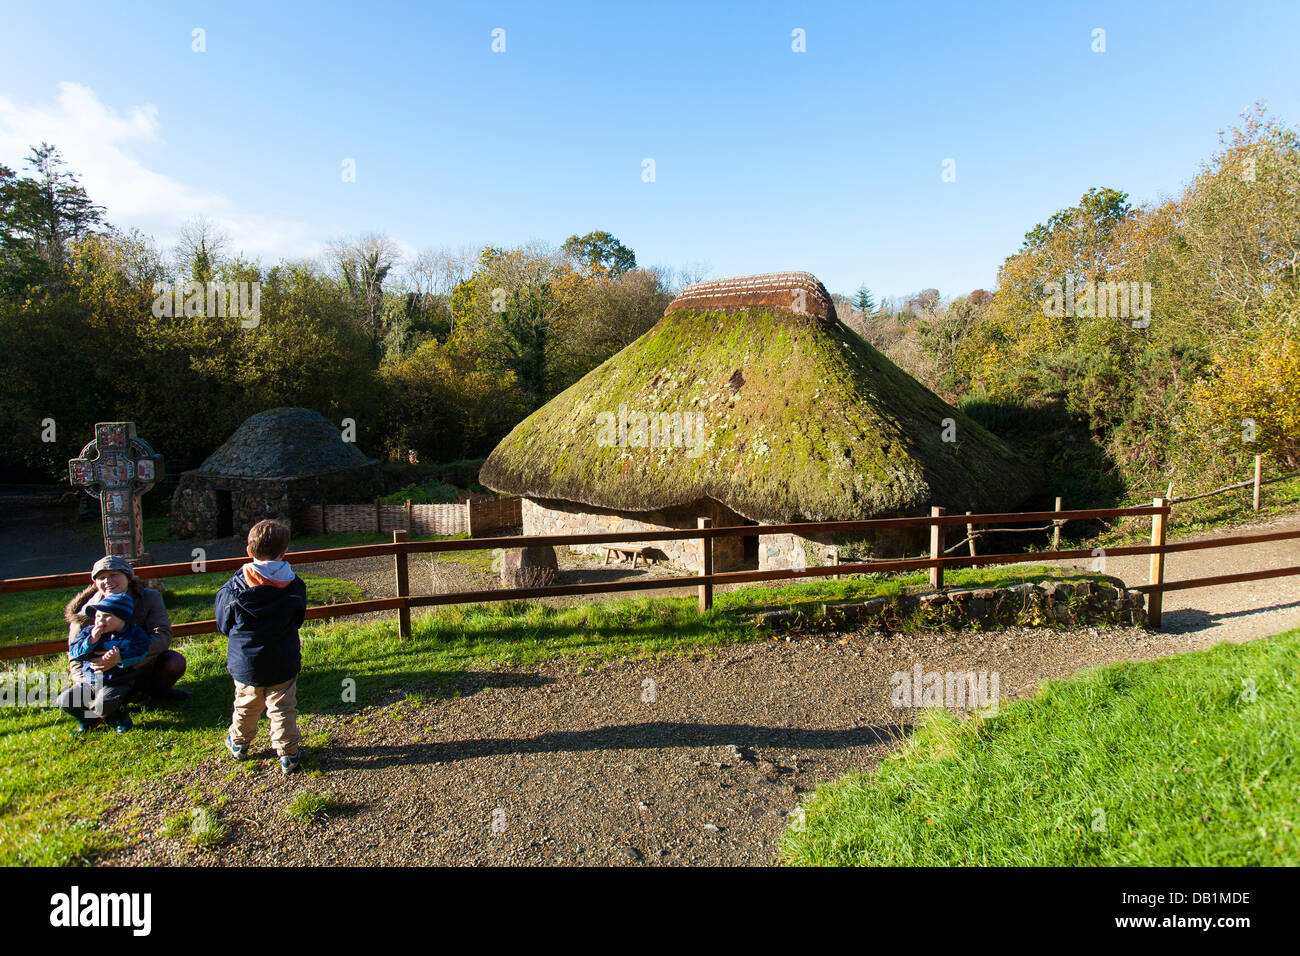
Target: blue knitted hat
118,605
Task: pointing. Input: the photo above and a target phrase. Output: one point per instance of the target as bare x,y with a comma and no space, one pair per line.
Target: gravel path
1230,612
558,767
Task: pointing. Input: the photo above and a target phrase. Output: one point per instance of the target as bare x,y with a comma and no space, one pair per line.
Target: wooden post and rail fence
707,579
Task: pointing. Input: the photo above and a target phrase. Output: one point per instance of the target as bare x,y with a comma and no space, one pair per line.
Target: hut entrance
749,560
225,514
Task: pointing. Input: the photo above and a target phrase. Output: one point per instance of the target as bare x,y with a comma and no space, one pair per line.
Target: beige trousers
281,705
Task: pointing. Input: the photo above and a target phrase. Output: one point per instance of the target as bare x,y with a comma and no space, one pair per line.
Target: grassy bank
1186,761
52,786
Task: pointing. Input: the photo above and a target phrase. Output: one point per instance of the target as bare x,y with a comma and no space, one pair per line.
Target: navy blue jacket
261,627
132,641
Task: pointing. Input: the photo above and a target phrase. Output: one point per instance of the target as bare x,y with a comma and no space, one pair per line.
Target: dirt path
1231,612
558,767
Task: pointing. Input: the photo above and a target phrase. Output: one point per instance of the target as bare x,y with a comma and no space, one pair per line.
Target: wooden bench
626,551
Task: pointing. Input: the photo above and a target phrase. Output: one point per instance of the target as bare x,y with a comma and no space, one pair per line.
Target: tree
863,301
599,253
363,265
199,248
54,208
604,316
17,252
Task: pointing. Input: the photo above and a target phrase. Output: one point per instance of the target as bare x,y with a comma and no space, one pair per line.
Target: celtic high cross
117,468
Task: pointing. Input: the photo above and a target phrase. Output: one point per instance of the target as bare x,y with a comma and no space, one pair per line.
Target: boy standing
106,654
260,610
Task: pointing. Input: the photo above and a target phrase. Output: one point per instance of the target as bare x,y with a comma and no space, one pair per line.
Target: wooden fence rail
1257,482
705,582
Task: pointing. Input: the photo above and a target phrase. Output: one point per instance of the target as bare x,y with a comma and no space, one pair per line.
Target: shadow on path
640,736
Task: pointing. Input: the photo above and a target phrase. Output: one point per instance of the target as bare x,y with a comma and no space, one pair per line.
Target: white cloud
92,136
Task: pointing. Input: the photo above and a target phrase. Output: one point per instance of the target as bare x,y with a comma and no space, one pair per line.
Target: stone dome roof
284,443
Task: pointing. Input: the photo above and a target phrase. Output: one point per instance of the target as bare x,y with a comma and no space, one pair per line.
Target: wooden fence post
1056,528
408,515
706,566
469,520
379,523
403,586
1259,469
936,549
1155,599
970,537
835,562
323,529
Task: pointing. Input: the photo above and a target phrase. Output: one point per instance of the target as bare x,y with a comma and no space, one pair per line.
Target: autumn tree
599,254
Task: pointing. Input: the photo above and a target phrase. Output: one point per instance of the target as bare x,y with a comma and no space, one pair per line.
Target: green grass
38,615
310,807
53,788
1184,761
201,826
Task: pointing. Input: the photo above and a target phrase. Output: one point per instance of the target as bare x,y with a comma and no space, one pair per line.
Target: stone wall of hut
196,507
542,516
779,552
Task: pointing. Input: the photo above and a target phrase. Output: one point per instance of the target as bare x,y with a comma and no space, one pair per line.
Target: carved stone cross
117,468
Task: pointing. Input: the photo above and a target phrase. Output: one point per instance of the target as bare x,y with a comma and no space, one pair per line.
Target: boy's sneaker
122,721
289,763
238,751
85,726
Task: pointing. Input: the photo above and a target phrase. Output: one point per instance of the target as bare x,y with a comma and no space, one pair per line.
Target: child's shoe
122,721
85,726
238,751
289,763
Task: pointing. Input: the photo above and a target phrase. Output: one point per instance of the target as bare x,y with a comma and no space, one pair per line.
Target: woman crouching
162,667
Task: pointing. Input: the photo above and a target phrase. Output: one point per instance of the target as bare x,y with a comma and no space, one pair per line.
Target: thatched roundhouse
750,403
275,462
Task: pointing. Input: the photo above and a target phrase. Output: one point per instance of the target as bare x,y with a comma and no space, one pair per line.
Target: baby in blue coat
107,653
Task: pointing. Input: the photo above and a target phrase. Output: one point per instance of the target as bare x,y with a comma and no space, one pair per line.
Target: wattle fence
475,518
938,522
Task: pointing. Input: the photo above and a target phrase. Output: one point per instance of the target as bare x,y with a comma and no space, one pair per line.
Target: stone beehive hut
784,415
275,462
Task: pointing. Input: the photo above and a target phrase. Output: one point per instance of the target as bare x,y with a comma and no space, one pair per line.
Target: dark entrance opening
225,514
750,557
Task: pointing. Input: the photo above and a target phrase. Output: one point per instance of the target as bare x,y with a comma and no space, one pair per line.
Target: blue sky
765,159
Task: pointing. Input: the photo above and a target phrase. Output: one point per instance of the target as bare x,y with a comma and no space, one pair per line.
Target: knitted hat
118,605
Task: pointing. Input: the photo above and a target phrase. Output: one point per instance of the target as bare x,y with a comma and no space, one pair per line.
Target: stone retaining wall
1046,604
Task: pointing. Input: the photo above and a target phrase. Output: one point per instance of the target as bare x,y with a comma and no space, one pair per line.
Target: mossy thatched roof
802,421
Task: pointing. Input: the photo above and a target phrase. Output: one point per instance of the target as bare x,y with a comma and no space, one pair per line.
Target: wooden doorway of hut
749,558
225,514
